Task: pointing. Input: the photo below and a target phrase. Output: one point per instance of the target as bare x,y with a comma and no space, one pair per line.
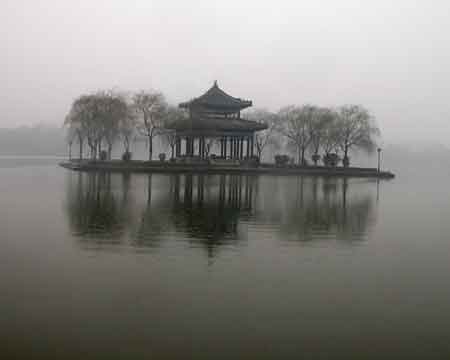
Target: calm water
207,267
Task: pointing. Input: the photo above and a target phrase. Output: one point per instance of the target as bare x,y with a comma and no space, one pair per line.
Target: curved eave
214,124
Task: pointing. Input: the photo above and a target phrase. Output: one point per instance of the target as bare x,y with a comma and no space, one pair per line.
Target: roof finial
215,83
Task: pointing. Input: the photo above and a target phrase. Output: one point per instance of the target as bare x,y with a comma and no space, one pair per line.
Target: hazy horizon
391,58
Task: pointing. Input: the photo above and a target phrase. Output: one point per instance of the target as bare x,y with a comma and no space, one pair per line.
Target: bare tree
150,106
70,138
268,136
357,129
172,115
294,125
331,136
95,118
127,130
320,131
114,111
81,120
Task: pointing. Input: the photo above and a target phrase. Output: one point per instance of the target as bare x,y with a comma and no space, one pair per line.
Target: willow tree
321,127
74,132
357,129
150,107
113,112
82,119
127,131
295,125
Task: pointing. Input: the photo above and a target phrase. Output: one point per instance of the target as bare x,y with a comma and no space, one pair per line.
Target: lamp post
379,159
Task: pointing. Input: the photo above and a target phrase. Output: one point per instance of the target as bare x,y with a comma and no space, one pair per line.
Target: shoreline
136,166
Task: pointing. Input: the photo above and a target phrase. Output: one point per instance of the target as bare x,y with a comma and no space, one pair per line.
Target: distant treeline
39,140
101,120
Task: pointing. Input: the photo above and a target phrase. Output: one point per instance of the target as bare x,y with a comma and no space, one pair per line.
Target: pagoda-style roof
217,99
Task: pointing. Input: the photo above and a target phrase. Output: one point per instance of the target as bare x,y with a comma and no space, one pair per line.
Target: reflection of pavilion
216,115
107,210
204,209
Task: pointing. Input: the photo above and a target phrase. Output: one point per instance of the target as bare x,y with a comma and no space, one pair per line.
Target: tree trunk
109,151
81,149
150,148
70,151
173,151
303,155
93,151
345,156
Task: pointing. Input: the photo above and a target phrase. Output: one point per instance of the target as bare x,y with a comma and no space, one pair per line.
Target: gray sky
391,56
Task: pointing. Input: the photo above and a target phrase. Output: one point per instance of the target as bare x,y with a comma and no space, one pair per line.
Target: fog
390,56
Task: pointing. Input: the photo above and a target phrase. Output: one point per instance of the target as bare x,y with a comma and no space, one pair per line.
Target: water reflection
326,209
94,210
215,211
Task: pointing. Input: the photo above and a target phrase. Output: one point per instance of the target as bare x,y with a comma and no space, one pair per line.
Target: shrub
126,156
330,159
162,157
315,158
281,160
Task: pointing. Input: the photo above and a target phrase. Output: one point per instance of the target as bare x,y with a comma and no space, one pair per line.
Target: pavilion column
177,146
231,147
241,154
248,146
224,142
252,145
190,146
200,147
203,147
221,147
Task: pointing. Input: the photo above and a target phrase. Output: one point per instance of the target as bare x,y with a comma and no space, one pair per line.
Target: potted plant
330,160
103,155
315,158
126,156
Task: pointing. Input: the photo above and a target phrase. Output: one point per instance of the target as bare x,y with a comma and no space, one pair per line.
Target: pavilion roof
216,124
215,97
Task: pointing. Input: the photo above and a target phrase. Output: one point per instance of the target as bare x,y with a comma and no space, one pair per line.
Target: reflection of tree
313,209
93,210
153,222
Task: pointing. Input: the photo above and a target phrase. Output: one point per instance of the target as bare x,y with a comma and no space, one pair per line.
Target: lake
218,267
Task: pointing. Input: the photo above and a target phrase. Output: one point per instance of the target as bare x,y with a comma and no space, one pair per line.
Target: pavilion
216,115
